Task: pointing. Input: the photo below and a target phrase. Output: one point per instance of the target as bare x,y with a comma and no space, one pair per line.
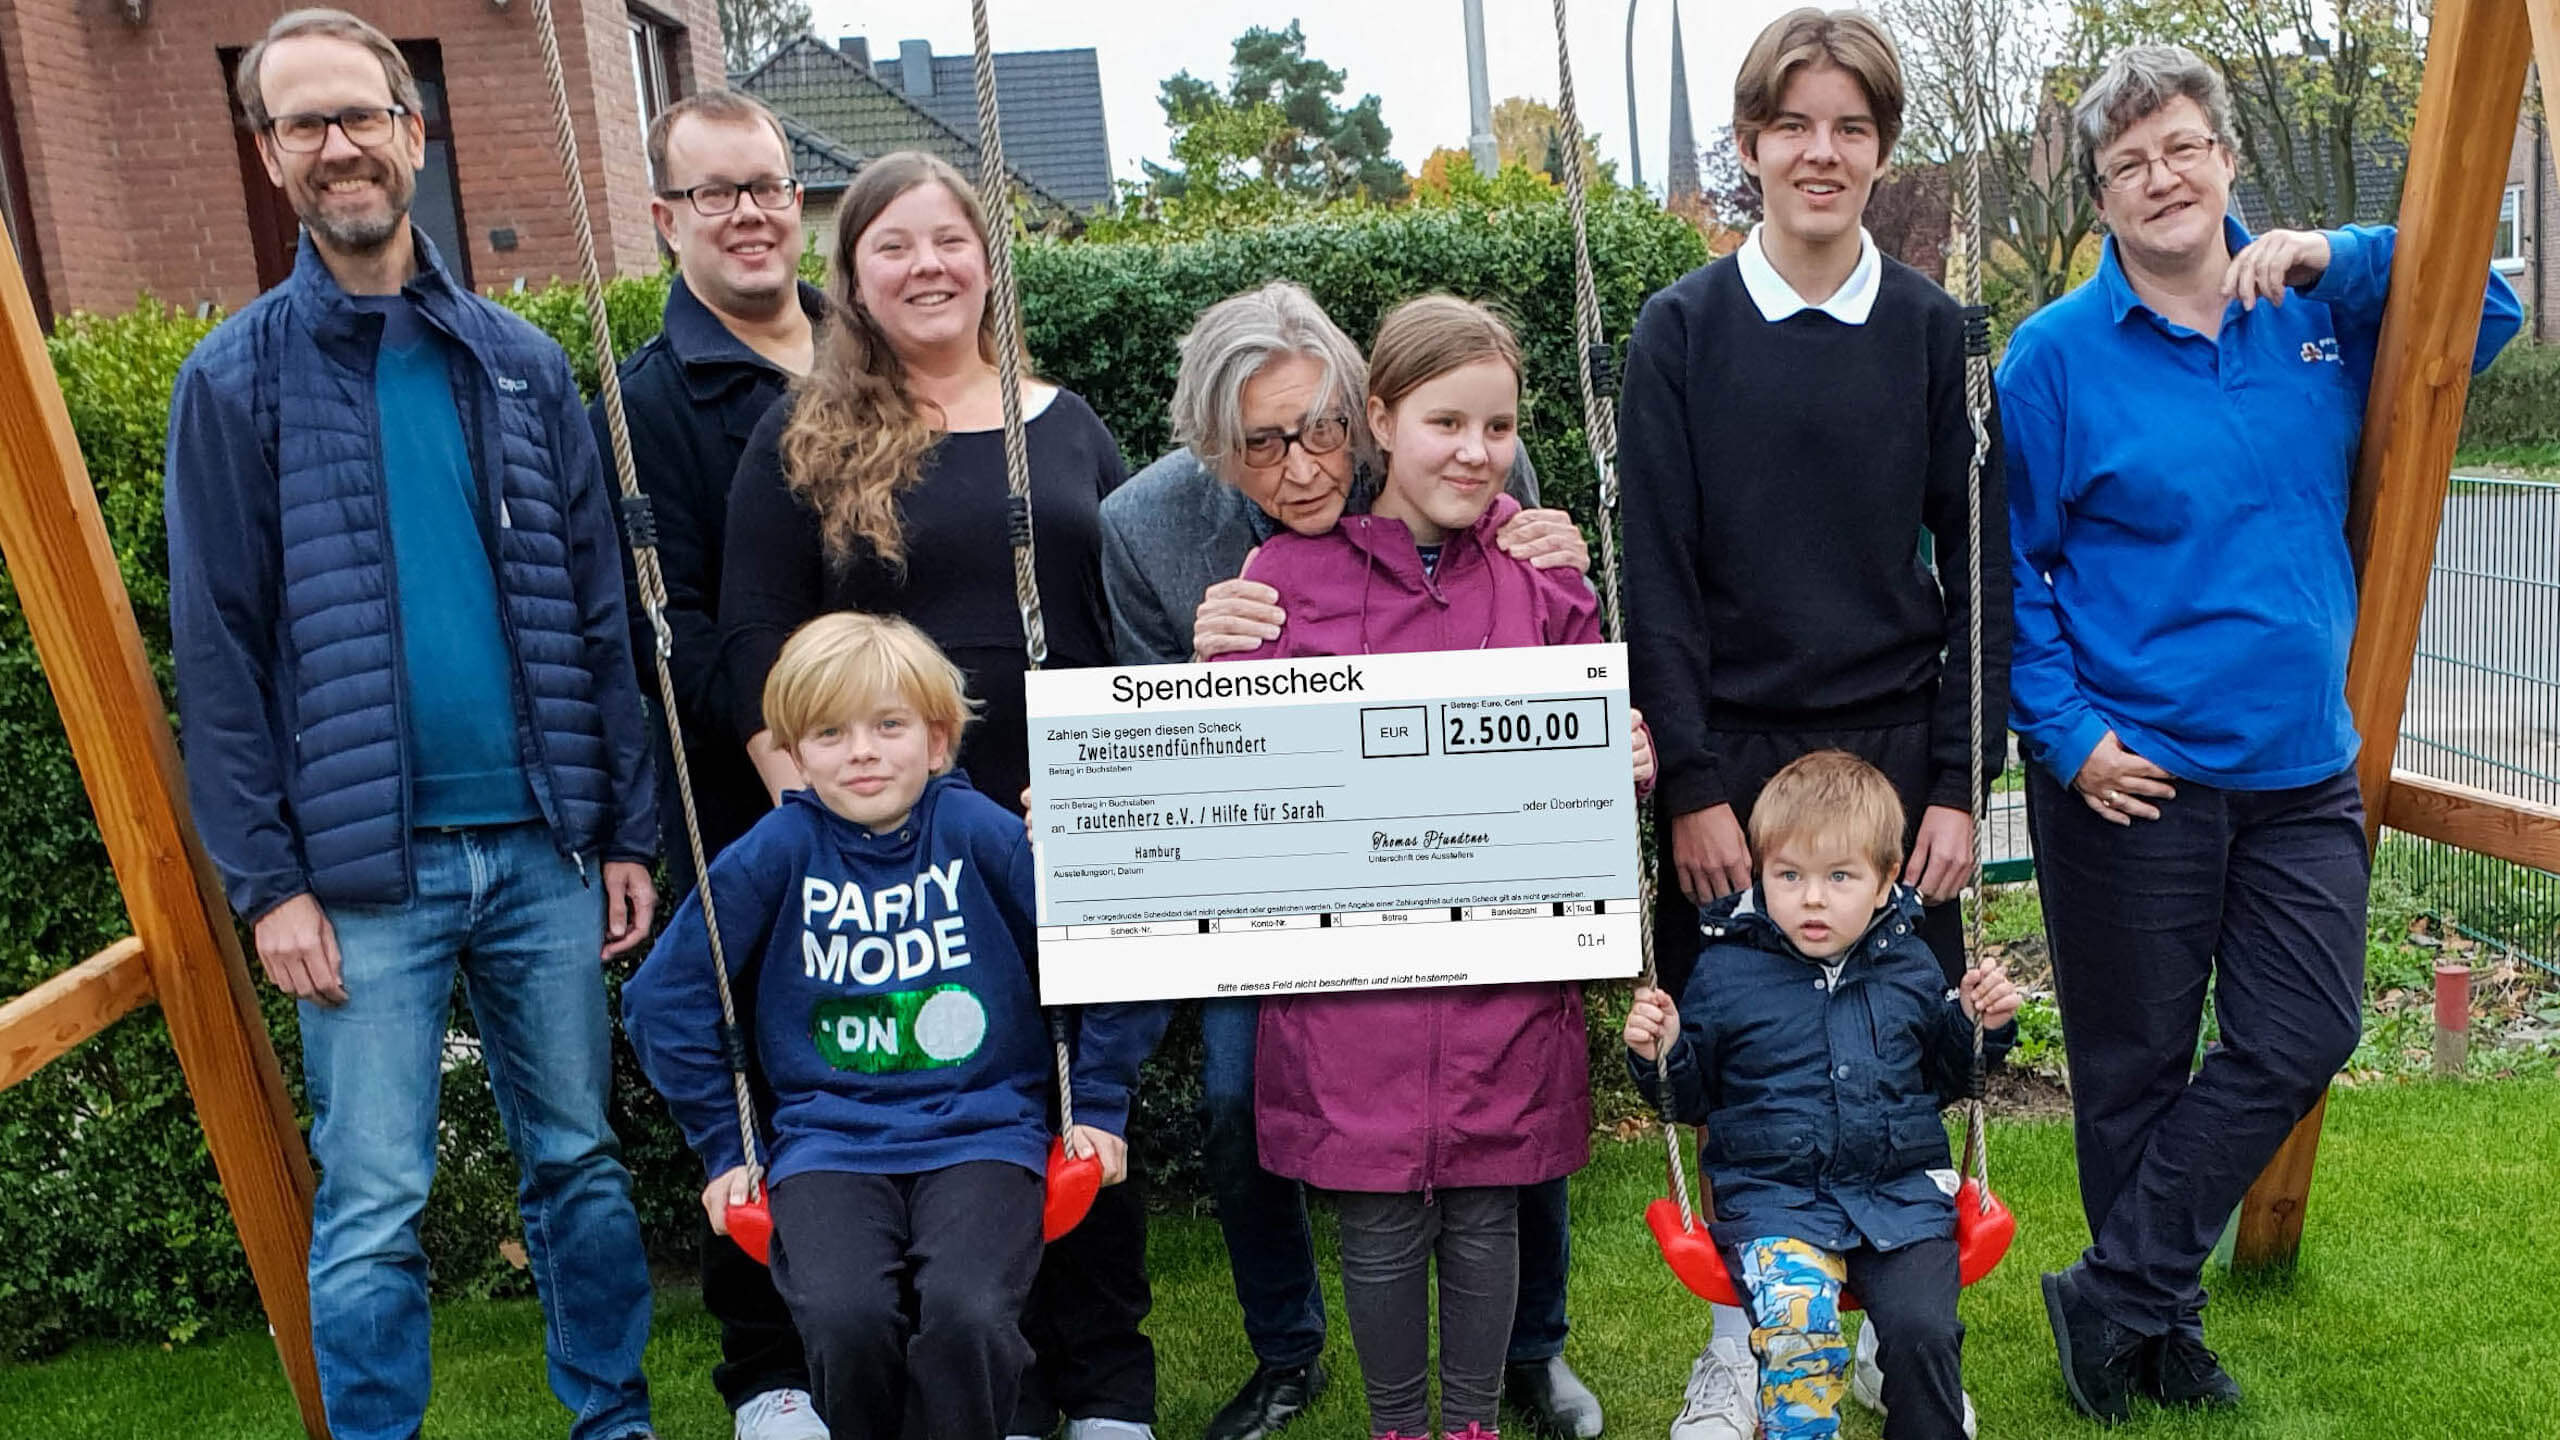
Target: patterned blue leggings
1792,1290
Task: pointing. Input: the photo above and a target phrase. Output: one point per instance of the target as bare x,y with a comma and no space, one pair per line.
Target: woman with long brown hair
878,485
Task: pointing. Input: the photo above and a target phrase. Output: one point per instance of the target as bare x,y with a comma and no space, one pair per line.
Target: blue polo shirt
2177,520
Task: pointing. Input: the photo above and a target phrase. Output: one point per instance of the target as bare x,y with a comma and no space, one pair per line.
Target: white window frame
2509,254
652,69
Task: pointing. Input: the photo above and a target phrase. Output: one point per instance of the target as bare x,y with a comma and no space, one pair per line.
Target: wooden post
82,621
2476,54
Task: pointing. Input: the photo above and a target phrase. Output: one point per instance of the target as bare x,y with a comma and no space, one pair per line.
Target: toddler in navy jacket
879,928
1816,1043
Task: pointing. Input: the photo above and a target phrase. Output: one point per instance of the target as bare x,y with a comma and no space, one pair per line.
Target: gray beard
366,238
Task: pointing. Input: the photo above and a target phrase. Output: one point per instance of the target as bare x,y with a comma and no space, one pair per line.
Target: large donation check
1266,827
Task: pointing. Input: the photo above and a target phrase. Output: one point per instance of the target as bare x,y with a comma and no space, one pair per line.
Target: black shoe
2183,1372
1552,1398
2101,1360
1271,1399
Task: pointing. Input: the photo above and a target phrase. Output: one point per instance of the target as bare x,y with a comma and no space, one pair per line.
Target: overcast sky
1410,53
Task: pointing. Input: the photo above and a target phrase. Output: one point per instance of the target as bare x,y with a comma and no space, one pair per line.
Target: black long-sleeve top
692,397
1778,477
957,582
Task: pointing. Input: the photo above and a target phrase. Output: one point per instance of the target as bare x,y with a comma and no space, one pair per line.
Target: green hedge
2516,401
116,1224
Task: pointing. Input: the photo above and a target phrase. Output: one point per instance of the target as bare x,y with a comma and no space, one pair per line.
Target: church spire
1684,138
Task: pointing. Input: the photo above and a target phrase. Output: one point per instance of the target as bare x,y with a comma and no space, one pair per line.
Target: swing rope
1966,266
1600,433
995,197
640,527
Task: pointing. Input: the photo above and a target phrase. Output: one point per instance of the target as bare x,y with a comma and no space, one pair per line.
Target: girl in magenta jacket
1425,1111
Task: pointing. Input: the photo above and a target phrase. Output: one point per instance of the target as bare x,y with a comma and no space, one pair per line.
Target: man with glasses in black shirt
740,324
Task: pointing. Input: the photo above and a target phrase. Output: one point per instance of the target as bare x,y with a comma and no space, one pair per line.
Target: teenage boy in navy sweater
882,922
1793,419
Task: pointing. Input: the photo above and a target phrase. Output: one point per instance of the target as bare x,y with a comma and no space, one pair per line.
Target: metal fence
2484,705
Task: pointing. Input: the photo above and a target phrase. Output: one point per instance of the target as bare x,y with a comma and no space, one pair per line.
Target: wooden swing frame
185,951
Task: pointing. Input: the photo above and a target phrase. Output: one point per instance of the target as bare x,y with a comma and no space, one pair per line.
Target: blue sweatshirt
896,1019
2178,518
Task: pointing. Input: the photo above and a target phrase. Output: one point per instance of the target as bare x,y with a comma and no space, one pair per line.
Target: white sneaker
1719,1403
1109,1430
1866,1379
780,1415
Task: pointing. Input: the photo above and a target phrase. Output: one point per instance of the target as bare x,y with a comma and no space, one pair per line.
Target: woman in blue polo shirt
2181,433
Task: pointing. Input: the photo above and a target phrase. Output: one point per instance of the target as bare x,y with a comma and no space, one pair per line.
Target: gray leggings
1388,1243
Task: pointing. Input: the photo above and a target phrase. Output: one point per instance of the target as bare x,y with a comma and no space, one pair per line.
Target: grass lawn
2418,1311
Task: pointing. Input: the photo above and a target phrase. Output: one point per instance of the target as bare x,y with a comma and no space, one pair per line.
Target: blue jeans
1269,1251
524,924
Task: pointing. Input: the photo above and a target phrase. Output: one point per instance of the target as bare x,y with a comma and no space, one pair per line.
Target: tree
750,30
1283,101
1528,133
2323,95
2026,64
1726,191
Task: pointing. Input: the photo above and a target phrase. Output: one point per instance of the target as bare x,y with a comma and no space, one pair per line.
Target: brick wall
133,173
2539,220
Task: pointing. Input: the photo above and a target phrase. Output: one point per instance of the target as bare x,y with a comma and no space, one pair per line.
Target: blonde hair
844,662
1806,38
1831,795
336,25
1428,336
856,438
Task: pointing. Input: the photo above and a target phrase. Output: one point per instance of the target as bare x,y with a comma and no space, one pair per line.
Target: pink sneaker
1476,1430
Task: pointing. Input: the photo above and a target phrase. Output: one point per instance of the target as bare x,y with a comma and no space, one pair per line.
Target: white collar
1777,299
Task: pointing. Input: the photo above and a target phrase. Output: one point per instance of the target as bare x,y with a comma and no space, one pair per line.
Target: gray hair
1233,340
2133,87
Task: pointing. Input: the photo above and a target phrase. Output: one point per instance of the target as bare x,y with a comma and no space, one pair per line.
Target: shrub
2516,401
117,1223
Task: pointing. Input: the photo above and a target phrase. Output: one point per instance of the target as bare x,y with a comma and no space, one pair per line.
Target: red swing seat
1073,1183
1984,1230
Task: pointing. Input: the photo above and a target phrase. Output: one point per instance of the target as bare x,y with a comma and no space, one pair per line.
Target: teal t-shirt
465,764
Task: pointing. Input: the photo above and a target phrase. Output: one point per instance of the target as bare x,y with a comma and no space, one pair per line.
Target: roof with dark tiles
847,116
1053,117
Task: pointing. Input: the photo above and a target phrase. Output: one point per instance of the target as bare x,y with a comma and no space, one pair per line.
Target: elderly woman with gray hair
2181,434
1270,409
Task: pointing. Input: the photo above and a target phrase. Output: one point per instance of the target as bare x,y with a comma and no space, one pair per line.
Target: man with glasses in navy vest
413,741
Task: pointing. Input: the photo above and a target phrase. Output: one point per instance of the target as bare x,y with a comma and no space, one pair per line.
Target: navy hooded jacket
1819,1100
285,610
896,1013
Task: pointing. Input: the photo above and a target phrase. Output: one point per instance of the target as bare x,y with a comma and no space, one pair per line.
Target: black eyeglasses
364,125
1320,436
719,197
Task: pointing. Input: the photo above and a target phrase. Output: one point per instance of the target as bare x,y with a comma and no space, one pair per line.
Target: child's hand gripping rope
1988,994
1084,1140
1643,748
1652,1021
735,1186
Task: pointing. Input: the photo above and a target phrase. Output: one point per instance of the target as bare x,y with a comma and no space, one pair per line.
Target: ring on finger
2115,798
